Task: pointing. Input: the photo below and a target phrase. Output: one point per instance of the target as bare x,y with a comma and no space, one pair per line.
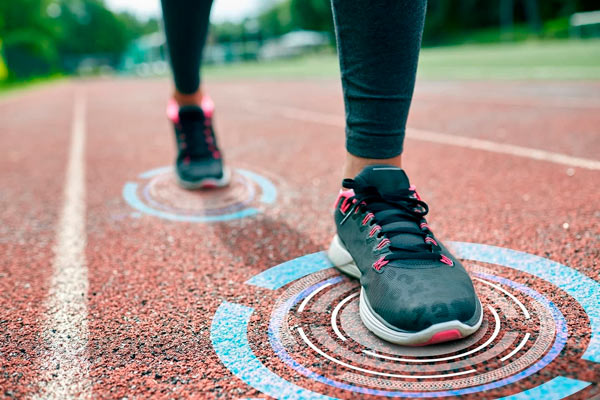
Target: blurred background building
45,38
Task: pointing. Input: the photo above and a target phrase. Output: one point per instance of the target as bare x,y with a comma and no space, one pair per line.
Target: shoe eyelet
446,260
374,231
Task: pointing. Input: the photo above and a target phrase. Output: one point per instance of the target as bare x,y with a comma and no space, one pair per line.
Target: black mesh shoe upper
411,280
198,155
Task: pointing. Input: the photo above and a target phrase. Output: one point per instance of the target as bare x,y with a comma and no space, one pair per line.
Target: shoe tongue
389,180
386,178
190,112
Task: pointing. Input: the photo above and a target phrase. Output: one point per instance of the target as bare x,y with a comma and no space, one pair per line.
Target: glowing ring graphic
229,333
151,207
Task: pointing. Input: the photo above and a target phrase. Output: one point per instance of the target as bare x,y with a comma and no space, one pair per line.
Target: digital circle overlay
157,193
317,340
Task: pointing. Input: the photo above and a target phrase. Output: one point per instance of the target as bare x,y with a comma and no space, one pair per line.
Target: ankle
354,164
188,99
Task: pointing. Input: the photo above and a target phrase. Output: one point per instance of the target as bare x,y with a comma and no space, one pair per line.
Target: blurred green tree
28,37
314,15
45,36
89,28
277,20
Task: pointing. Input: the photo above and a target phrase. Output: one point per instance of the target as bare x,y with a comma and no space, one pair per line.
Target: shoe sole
437,333
206,183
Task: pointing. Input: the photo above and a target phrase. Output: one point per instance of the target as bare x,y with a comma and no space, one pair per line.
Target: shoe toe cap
430,298
196,170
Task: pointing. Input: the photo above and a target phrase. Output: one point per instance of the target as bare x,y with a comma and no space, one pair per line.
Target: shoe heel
341,258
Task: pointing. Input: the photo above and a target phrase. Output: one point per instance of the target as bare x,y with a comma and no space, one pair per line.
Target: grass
313,66
550,59
8,87
558,59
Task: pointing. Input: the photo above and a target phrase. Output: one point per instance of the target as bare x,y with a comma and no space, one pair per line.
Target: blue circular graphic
143,203
229,333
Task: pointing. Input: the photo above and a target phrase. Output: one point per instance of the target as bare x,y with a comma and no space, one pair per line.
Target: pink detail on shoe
380,263
444,336
345,194
208,106
383,243
414,189
216,154
424,225
446,260
187,160
374,229
367,218
356,210
173,111
431,240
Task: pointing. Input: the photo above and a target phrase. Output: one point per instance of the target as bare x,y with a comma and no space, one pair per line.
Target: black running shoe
199,163
414,292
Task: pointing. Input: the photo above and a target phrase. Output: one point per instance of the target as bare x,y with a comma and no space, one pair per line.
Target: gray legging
378,46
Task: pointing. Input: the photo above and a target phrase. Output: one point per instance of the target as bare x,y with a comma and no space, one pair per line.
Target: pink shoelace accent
374,229
414,189
423,225
345,194
210,141
358,208
431,240
382,244
380,263
446,260
345,205
367,218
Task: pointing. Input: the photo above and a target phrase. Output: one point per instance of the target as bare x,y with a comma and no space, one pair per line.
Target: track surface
130,314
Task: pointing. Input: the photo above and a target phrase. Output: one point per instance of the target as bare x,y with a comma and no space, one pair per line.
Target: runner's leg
378,45
186,26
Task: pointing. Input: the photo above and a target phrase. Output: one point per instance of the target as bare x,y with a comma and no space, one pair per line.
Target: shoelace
197,139
401,206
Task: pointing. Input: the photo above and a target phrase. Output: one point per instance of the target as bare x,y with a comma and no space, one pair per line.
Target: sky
222,10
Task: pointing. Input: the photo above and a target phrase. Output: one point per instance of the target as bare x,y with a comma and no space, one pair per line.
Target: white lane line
65,332
427,360
508,100
441,138
336,310
516,350
310,296
503,148
368,371
500,288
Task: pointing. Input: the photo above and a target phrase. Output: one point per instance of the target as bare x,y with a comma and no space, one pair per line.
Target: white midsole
342,260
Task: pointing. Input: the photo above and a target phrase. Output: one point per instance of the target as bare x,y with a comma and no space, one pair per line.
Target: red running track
136,323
